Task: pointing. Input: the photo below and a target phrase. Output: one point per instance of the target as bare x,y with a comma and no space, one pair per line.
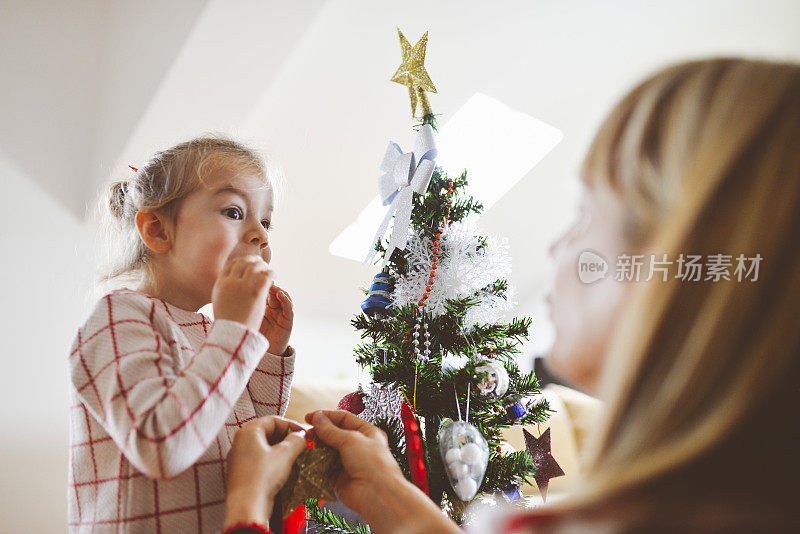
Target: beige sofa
574,415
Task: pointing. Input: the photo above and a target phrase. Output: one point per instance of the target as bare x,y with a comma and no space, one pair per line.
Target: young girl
158,388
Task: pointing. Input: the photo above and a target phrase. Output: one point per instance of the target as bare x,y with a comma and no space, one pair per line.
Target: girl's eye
266,224
237,211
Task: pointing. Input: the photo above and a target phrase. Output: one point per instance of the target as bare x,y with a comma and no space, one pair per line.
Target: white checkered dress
158,393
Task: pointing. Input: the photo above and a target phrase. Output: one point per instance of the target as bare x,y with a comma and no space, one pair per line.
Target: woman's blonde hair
703,377
160,185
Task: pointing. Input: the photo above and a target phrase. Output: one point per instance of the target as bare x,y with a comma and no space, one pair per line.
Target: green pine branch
328,521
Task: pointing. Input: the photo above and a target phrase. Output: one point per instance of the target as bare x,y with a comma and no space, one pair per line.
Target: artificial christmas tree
444,375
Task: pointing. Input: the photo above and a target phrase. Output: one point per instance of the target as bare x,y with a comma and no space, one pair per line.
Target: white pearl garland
420,353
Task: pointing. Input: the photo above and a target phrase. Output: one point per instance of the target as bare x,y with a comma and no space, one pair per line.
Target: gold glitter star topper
412,73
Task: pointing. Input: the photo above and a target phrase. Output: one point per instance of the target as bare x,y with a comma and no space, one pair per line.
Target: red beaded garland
435,250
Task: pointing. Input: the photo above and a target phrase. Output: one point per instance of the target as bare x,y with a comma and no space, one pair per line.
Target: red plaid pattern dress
157,394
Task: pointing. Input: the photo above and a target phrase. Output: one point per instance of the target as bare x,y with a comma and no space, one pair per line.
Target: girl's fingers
272,298
282,294
246,264
226,269
288,310
241,268
280,299
286,302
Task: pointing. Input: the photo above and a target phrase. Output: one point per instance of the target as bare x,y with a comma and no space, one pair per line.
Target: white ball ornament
452,455
465,454
466,488
471,454
476,470
458,469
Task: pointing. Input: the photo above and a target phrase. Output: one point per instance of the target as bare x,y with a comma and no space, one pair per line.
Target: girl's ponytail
116,200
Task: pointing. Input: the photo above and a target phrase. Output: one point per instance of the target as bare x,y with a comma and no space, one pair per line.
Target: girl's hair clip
134,168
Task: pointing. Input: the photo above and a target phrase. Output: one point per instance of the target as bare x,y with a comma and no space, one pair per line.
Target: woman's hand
364,451
258,465
276,325
371,482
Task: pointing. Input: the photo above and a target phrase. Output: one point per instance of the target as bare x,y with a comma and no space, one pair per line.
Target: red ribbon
416,460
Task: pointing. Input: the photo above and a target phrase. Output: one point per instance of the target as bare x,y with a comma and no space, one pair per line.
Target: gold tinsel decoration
312,477
412,73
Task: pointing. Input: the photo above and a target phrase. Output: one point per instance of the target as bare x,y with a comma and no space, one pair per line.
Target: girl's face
228,218
584,313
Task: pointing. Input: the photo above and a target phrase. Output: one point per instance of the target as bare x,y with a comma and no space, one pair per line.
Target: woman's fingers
335,427
328,432
292,445
275,428
342,419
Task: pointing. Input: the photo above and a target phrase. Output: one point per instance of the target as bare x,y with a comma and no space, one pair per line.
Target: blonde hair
703,378
160,185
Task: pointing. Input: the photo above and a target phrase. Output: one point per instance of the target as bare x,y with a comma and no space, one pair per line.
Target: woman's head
701,377
635,169
584,306
179,217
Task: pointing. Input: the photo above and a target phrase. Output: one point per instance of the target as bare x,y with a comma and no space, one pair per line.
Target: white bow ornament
403,174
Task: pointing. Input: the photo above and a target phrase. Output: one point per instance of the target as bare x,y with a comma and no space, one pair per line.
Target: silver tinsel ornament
381,401
466,267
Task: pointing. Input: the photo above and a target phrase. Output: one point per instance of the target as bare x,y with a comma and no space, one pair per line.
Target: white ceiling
89,87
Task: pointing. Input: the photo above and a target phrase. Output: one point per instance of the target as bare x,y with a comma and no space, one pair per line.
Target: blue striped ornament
379,296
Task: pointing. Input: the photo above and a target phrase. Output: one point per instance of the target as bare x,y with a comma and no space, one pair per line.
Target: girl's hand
258,465
371,482
242,289
276,325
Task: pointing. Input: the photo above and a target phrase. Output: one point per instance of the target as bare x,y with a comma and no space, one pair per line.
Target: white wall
43,283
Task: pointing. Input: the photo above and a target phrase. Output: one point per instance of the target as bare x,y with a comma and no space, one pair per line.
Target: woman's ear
154,231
